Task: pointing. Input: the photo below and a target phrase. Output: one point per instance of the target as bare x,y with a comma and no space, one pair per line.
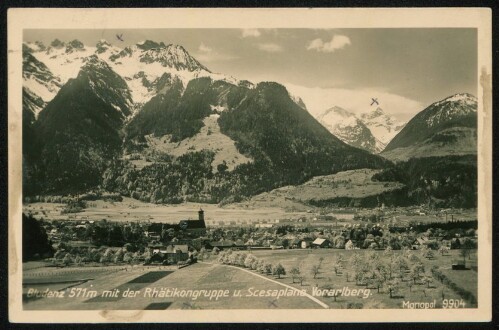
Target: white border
24,18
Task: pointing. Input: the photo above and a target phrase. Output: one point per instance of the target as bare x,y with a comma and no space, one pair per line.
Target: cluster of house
181,248
173,253
296,243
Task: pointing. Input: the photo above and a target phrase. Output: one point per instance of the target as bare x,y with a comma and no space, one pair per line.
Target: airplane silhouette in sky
120,37
375,100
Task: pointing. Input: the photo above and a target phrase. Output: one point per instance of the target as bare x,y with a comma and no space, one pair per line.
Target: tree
59,254
241,259
35,242
429,254
443,250
381,275
337,265
128,257
259,265
393,287
136,257
67,259
295,273
265,268
416,271
315,270
248,261
118,256
464,252
356,261
221,168
401,263
359,277
278,270
147,255
427,279
78,260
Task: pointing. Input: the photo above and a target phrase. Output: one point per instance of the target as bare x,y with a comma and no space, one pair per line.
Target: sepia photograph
303,168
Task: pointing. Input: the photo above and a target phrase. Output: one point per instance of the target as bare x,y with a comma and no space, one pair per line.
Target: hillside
447,127
348,188
446,181
78,131
264,140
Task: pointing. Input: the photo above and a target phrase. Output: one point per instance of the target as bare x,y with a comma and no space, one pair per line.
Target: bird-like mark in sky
375,100
120,37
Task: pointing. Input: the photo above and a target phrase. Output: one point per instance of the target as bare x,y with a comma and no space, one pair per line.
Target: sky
405,69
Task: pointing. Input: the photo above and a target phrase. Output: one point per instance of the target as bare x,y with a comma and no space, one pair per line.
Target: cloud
251,33
337,42
270,47
357,101
204,49
207,54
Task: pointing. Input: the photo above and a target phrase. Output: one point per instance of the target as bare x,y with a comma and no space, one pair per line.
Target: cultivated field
210,275
144,279
133,210
306,258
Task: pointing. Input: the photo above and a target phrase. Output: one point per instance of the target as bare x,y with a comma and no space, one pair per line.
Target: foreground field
306,259
89,284
198,277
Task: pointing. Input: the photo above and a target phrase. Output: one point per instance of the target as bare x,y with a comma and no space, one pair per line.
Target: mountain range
370,131
151,122
116,108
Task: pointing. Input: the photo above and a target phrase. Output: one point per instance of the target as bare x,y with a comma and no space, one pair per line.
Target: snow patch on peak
450,108
337,117
348,128
384,127
466,98
340,111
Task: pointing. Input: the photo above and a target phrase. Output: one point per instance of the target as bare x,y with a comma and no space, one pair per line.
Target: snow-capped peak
74,45
140,65
103,43
173,56
464,98
383,126
348,128
374,114
94,62
338,117
452,107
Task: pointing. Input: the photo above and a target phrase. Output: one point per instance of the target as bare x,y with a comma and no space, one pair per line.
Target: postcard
210,165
